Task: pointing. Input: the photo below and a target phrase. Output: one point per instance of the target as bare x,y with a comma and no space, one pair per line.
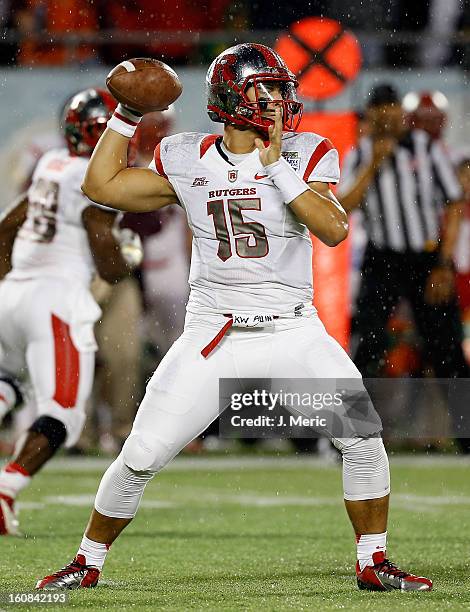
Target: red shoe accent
379,557
368,576
386,576
91,579
59,579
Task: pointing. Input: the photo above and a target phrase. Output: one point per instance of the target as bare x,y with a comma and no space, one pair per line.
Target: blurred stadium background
238,533
51,48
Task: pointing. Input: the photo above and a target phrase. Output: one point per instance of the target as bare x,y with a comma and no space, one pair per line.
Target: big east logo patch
292,158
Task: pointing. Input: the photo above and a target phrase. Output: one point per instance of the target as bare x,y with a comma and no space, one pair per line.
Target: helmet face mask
291,107
230,77
84,119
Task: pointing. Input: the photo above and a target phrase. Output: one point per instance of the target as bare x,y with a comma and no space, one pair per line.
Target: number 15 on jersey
249,236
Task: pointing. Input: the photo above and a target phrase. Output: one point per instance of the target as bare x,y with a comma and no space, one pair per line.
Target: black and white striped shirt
404,203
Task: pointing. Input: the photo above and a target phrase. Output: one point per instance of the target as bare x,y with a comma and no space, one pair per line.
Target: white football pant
182,399
46,336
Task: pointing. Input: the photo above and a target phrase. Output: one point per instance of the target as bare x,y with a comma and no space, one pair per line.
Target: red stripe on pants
67,364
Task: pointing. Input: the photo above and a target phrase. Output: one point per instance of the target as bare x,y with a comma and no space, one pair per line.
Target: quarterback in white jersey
261,258
53,241
251,198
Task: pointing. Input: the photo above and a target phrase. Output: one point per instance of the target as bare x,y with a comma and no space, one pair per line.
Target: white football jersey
53,241
249,251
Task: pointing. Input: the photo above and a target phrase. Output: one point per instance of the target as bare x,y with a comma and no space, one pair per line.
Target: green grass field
238,533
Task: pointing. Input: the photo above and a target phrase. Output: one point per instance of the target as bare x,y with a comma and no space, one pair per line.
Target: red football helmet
426,110
242,66
153,127
84,117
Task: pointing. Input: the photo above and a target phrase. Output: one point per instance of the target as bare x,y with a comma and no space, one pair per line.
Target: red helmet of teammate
242,66
84,118
426,111
153,127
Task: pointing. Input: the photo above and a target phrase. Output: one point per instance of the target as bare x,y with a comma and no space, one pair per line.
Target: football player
52,242
251,196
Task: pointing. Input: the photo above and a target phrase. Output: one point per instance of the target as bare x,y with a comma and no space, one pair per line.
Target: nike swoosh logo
260,176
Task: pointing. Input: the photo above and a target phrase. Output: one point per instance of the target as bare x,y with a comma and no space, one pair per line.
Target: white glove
130,245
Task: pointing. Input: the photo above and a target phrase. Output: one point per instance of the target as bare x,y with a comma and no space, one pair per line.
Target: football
144,84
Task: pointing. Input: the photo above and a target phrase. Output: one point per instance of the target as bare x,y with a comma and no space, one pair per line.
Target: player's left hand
440,285
270,154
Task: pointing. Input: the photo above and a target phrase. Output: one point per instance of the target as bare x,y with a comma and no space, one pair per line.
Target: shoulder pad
173,154
311,155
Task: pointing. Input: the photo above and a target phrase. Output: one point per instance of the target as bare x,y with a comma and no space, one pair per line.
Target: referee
410,196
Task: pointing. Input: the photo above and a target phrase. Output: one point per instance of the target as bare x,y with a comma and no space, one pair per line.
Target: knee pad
53,429
143,452
121,490
365,469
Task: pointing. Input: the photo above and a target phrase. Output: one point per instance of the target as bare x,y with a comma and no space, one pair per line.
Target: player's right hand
272,153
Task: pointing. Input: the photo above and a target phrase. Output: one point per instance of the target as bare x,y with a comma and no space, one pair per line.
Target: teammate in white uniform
250,205
52,240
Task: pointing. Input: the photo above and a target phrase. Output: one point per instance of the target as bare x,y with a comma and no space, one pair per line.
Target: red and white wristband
286,179
124,121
